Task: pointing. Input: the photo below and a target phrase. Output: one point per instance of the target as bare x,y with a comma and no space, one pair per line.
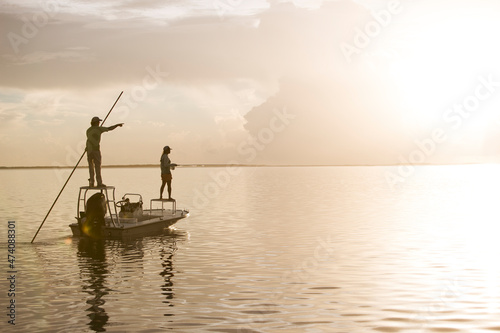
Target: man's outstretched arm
115,126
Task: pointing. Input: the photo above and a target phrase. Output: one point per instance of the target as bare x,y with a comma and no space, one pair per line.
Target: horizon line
208,165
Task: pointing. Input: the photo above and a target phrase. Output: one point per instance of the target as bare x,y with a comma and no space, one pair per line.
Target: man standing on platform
93,149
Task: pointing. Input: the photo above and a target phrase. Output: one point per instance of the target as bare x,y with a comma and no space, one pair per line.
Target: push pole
71,174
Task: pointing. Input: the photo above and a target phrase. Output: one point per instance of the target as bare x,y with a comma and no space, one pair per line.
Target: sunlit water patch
327,249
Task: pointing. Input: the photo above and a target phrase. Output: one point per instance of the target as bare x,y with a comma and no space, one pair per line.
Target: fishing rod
71,174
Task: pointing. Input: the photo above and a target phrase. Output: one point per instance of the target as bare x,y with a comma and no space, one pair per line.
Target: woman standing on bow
166,175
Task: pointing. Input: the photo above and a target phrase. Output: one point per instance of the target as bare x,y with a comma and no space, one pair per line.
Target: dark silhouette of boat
102,217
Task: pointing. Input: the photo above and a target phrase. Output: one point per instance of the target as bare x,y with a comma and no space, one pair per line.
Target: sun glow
440,59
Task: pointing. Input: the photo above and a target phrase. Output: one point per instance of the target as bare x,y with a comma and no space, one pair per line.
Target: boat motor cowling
95,210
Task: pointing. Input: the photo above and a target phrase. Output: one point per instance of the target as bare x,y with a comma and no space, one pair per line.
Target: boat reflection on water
97,260
94,269
166,255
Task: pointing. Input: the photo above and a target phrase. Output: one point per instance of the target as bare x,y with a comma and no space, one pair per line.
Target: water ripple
279,250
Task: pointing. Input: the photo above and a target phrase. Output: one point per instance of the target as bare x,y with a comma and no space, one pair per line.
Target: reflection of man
93,153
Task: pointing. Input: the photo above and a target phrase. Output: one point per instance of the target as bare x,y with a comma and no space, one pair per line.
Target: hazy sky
233,81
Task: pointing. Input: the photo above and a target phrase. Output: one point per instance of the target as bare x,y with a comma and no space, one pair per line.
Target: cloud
44,57
333,122
9,116
156,123
216,63
230,65
309,4
69,46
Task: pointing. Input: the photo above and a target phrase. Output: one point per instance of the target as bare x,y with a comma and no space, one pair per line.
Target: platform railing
174,205
103,189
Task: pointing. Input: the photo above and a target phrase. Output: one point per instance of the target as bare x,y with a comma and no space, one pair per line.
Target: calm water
323,249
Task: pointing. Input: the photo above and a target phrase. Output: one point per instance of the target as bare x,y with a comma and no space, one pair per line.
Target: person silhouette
166,175
93,149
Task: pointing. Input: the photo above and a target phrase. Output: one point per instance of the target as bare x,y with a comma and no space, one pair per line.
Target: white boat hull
152,222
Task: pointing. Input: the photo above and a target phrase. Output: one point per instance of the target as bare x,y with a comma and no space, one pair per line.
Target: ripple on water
279,250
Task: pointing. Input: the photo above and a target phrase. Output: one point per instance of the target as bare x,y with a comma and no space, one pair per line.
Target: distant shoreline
157,166
230,165
178,166
119,166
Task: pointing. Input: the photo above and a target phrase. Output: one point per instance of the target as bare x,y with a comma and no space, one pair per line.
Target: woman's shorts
166,177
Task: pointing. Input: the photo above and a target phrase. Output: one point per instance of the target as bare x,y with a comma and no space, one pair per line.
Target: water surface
274,249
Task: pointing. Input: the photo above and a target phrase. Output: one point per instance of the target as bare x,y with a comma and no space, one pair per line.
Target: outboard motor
95,211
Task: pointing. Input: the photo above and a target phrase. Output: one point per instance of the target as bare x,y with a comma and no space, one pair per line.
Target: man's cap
95,120
167,147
